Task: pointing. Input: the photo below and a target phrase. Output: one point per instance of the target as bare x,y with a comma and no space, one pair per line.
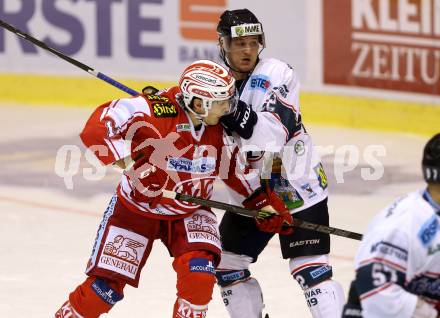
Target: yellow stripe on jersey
325,109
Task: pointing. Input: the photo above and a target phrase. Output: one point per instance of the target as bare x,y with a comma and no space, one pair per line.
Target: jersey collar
431,201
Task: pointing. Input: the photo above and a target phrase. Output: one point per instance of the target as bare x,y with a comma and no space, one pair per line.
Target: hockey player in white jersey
267,126
398,262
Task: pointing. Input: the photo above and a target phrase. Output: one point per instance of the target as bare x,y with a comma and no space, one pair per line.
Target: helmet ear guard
208,81
431,160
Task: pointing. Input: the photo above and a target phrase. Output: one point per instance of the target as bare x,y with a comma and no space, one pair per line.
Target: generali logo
385,44
123,251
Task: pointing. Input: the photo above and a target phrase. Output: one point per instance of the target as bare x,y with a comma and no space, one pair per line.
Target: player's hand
148,182
280,221
241,119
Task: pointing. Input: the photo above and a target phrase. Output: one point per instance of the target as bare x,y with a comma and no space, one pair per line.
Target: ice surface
47,231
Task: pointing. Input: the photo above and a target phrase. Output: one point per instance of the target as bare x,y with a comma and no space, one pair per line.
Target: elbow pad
242,120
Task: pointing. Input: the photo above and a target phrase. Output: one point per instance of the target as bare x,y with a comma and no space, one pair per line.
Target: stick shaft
255,213
61,55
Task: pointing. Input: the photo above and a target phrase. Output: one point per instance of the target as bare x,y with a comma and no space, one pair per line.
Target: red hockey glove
148,181
278,222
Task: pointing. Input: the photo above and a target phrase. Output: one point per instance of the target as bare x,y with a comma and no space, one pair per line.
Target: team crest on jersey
320,174
299,148
164,110
123,251
196,187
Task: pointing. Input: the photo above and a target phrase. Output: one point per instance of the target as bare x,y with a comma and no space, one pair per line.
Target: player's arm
105,132
242,180
277,121
381,275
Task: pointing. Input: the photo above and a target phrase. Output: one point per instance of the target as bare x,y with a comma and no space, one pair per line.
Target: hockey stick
82,66
261,214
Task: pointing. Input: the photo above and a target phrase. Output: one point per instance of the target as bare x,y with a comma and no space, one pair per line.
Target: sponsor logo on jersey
260,82
123,251
158,98
282,90
306,187
185,310
320,174
183,127
164,110
424,285
105,292
196,166
428,230
201,227
320,271
246,30
237,275
201,265
386,248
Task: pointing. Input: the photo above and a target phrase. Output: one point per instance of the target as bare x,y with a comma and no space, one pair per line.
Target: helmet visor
220,106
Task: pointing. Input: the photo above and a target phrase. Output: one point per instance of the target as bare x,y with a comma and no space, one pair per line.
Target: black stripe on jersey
375,276
286,114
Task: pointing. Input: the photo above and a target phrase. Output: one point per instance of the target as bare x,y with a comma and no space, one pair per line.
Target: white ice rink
47,231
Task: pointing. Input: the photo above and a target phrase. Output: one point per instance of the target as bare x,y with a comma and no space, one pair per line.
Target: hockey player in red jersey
175,143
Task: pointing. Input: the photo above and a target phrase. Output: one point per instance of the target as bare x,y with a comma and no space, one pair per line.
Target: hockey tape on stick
82,66
260,214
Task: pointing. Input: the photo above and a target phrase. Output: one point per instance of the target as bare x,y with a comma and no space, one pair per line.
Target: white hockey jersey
399,258
296,173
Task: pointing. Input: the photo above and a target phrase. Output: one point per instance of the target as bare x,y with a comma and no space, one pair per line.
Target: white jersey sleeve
394,265
273,92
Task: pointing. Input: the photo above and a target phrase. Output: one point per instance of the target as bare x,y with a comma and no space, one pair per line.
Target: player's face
242,53
218,109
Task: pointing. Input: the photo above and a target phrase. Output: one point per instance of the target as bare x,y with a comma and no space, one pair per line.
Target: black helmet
231,18
431,160
235,24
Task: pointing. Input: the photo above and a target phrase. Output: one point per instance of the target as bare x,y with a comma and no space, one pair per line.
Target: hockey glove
149,90
147,181
241,120
280,221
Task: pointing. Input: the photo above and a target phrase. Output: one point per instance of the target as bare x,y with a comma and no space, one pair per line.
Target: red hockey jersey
157,129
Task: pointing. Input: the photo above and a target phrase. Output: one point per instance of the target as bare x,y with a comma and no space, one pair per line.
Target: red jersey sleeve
105,130
238,176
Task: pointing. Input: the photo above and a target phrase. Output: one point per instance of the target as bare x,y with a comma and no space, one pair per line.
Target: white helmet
208,81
